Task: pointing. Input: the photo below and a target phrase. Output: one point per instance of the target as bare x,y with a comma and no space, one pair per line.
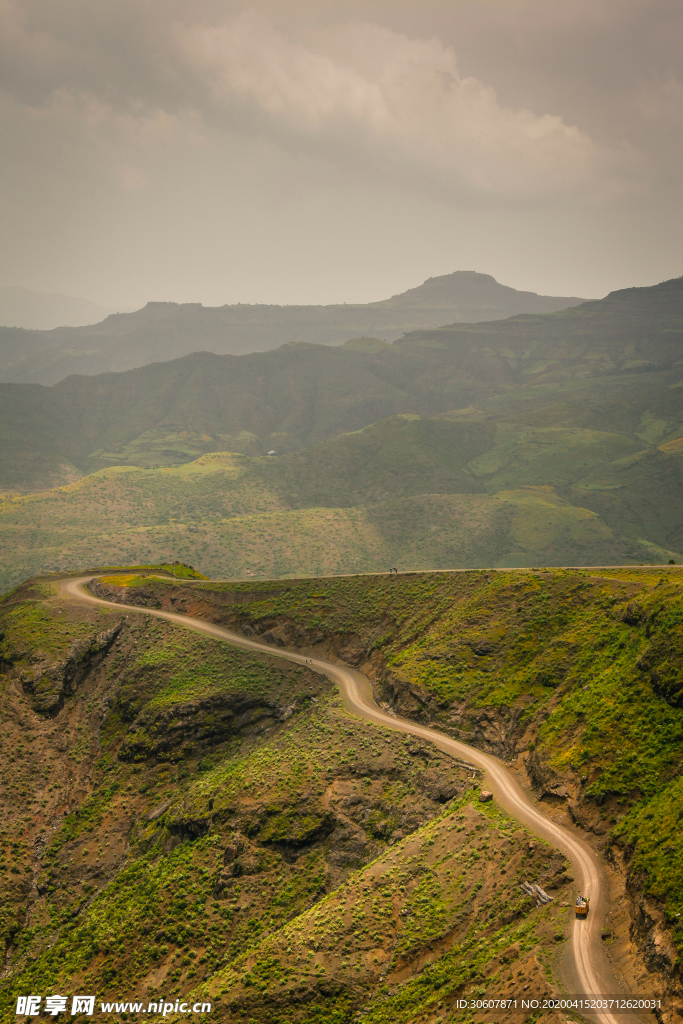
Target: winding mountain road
586,971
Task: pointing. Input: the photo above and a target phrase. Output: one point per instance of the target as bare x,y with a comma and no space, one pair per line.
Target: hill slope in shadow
578,365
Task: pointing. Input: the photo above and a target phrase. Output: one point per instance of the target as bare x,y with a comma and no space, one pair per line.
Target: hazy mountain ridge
299,395
554,439
628,329
168,330
44,311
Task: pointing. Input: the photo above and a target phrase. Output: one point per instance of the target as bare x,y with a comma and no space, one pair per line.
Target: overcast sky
337,150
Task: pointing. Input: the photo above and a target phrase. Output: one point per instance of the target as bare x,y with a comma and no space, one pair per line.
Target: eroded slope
575,675
181,816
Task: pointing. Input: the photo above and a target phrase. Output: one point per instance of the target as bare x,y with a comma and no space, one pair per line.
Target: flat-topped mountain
167,330
302,394
644,325
475,297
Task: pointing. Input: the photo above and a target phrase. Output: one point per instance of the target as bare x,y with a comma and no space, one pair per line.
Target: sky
316,151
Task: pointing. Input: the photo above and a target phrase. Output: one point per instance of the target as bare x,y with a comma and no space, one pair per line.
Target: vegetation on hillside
552,439
301,394
128,575
197,819
578,671
408,492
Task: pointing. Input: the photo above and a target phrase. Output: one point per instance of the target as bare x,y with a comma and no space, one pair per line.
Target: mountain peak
164,330
470,292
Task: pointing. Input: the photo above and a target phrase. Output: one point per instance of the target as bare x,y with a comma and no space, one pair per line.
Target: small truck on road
582,905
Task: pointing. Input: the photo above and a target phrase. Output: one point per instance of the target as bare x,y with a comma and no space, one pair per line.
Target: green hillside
592,361
168,330
183,819
191,818
582,669
493,445
573,676
408,492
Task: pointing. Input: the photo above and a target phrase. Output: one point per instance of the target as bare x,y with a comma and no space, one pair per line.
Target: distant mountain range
551,439
43,311
163,331
167,413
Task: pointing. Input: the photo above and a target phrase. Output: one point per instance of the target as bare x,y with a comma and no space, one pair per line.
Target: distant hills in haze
542,439
163,331
301,394
547,439
43,311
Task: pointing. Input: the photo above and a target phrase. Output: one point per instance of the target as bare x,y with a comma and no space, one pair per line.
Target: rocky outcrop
548,783
144,597
496,729
662,661
240,857
176,731
650,934
177,598
48,683
649,930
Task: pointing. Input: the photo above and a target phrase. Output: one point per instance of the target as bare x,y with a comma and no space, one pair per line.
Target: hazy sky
322,151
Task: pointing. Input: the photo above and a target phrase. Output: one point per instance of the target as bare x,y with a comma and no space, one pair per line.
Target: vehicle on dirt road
582,905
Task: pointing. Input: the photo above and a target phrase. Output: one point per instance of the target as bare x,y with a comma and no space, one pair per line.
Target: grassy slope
192,815
557,440
584,670
400,909
411,492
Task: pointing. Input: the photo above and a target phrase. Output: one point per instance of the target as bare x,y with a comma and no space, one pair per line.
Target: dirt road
586,970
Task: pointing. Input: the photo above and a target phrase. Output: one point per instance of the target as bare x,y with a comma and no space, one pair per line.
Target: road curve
589,974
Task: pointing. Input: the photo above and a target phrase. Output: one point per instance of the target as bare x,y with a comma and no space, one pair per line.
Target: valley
551,439
411,492
341,586
253,774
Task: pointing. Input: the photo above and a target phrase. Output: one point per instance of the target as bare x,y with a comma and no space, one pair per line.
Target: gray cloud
364,95
564,113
